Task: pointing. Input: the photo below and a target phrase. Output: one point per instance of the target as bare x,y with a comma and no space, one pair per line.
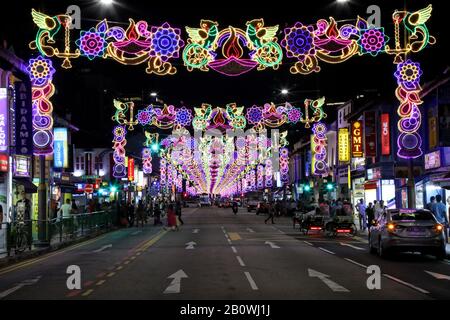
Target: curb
8,261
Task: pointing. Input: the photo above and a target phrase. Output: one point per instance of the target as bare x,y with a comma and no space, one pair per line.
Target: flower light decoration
145,117
408,93
372,41
269,174
92,43
320,152
119,169
40,71
183,117
260,177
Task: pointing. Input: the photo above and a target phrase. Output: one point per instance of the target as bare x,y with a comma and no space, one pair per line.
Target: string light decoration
145,117
284,166
316,107
40,71
147,161
372,41
320,151
162,172
183,117
120,115
409,142
119,134
269,174
260,177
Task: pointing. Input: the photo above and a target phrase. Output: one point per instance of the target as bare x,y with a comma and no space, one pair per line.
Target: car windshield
412,216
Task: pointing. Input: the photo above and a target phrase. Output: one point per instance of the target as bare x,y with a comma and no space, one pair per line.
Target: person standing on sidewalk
361,208
178,211
271,213
440,212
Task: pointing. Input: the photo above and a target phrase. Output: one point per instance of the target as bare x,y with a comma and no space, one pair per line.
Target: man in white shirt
361,207
65,209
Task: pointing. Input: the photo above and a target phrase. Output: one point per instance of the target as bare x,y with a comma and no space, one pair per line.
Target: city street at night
219,255
225,160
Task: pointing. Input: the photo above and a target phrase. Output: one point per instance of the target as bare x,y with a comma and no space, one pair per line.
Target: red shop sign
385,135
3,163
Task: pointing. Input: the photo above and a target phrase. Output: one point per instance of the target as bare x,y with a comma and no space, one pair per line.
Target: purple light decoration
162,172
294,115
183,117
298,41
147,161
284,165
254,115
408,93
40,71
119,169
372,41
92,43
166,42
144,117
320,167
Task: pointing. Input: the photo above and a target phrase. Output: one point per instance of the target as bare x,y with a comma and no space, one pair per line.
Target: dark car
408,230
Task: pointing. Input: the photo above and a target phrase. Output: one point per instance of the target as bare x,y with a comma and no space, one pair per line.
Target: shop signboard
433,160
385,135
23,121
4,127
432,132
344,145
130,169
61,149
22,166
357,137
3,163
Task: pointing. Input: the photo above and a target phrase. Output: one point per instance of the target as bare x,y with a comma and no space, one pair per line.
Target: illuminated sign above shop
357,143
433,160
344,145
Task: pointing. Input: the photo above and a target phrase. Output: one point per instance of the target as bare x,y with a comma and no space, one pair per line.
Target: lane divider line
406,284
251,281
88,292
308,243
327,251
239,259
234,249
356,263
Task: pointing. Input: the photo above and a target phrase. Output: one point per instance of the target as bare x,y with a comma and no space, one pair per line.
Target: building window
82,162
98,163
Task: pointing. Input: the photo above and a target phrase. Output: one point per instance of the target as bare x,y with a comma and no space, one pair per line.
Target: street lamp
107,2
342,1
284,91
153,94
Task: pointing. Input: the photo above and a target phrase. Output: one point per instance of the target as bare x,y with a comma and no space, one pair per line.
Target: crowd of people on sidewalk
131,214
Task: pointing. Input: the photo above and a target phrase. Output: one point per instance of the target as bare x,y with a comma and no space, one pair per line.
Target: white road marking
250,230
190,245
175,285
308,243
324,278
406,283
103,248
272,245
239,259
136,232
357,263
195,230
251,281
234,249
229,241
19,286
438,276
351,246
327,251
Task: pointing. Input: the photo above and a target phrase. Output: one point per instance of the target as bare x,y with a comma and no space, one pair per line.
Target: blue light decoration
92,43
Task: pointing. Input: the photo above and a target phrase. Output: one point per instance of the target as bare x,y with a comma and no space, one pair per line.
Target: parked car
204,201
407,230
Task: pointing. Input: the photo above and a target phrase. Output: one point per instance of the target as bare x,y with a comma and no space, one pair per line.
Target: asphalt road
218,255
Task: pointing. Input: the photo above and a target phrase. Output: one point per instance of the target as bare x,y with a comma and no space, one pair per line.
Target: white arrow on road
136,232
175,285
250,230
272,245
19,286
195,230
103,248
324,278
438,275
190,245
351,246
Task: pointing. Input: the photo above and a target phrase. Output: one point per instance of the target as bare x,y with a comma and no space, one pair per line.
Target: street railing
59,230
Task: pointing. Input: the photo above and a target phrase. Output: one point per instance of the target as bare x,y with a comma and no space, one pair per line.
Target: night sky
86,91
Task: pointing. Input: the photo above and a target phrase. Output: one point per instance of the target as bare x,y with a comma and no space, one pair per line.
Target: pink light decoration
260,172
147,161
269,173
284,165
163,172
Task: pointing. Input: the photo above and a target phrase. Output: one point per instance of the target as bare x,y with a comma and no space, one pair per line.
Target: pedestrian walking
430,204
157,214
440,212
379,210
370,213
361,208
271,212
140,212
131,215
171,218
178,212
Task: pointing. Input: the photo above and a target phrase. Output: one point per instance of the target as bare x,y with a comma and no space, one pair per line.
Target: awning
28,185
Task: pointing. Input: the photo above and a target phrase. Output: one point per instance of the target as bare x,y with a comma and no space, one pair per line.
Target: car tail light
343,230
438,228
315,228
390,227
